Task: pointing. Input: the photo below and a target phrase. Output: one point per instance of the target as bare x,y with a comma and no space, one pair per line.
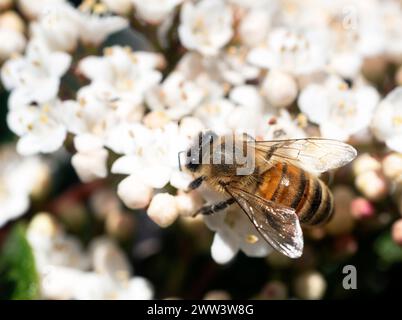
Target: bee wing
277,224
312,154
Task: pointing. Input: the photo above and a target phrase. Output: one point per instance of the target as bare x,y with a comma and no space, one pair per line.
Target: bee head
195,153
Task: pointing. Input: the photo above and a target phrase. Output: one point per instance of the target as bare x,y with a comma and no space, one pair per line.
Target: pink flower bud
361,208
397,232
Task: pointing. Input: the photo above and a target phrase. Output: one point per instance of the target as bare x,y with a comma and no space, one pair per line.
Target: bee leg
211,209
195,184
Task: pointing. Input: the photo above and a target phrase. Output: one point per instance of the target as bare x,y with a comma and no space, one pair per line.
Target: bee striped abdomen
293,187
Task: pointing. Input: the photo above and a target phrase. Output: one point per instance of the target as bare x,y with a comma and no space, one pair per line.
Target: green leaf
388,251
17,266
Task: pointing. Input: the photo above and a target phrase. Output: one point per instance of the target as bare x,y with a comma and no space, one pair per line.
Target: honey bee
275,183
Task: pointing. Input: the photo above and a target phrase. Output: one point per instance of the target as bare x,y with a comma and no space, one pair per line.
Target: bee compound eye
193,165
193,159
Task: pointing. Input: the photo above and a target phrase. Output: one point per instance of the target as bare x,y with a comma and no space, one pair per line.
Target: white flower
67,272
102,111
97,110
387,120
129,73
391,14
90,160
121,7
154,161
293,52
176,96
57,29
33,9
52,247
215,114
137,288
250,106
155,11
234,232
203,72
95,23
339,111
356,32
111,278
163,209
256,23
252,3
18,178
205,26
233,66
38,126
35,76
128,138
351,30
60,25
108,259
283,127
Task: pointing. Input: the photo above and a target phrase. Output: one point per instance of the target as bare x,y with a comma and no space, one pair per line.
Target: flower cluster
66,272
275,69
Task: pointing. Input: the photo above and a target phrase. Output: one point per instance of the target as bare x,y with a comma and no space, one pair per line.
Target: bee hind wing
277,224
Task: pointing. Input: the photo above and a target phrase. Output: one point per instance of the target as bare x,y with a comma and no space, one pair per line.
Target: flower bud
12,42
274,290
361,208
398,76
279,88
163,209
90,160
372,185
397,232
104,202
375,68
134,193
217,295
188,203
33,9
107,258
364,163
5,4
72,214
392,166
43,224
42,181
120,225
345,245
12,21
310,285
342,220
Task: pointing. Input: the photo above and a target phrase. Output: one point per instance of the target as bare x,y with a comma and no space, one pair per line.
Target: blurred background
83,217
